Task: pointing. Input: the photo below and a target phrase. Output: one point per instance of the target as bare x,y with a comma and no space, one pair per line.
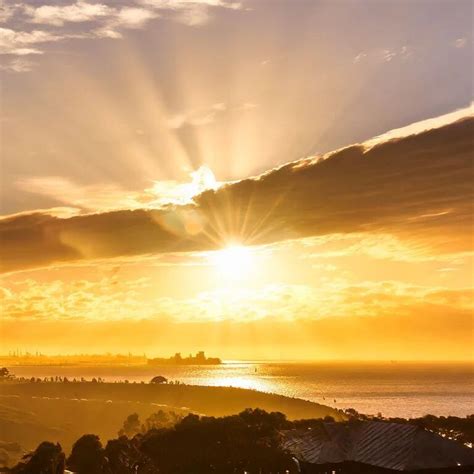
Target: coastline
406,390
31,412
209,400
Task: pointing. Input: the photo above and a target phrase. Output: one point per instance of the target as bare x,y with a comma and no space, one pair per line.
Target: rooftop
400,447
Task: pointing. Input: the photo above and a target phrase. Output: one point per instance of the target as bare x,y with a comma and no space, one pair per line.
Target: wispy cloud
58,15
108,298
133,17
125,18
180,4
423,125
460,43
192,12
197,117
104,20
90,197
6,12
91,20
206,115
196,16
386,55
17,65
377,246
21,43
103,198
360,57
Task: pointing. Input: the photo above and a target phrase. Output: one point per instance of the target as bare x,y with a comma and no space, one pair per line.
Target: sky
283,179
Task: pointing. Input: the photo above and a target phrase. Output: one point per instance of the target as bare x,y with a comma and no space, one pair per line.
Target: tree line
168,443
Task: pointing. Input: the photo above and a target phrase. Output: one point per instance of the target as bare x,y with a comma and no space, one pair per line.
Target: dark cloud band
416,187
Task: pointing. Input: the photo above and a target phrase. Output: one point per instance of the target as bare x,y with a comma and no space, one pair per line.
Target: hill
61,412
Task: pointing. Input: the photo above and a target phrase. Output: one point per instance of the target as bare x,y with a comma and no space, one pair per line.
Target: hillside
33,412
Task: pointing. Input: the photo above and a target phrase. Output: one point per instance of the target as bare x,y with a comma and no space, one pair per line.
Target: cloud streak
417,187
101,198
110,299
22,43
91,20
58,15
207,115
361,321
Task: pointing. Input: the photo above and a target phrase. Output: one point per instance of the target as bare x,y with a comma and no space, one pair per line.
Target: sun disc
234,261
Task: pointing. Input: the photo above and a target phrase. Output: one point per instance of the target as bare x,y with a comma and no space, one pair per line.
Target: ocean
395,389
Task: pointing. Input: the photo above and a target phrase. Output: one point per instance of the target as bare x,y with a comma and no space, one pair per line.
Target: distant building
199,359
367,447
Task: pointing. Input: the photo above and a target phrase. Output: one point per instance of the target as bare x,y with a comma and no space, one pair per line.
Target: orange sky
169,185
242,275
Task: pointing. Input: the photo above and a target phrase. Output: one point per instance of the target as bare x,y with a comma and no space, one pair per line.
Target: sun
233,261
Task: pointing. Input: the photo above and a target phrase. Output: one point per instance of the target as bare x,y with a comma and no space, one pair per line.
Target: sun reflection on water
252,383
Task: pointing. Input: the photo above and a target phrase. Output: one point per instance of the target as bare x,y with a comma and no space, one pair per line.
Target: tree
88,456
48,458
161,419
159,379
125,457
5,374
245,442
131,426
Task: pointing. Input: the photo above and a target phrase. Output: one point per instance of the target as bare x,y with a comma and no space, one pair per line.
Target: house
375,447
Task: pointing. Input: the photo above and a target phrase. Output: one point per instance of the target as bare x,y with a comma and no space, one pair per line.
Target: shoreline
197,398
396,390
31,412
61,412
8,362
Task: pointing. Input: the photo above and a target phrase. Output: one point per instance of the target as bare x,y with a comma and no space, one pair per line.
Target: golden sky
182,176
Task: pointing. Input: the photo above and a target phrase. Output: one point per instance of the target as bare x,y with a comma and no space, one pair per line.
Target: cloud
423,125
180,4
374,321
89,197
207,115
131,17
22,43
57,15
460,43
247,106
109,297
388,55
198,117
360,57
17,65
193,13
171,192
384,55
106,20
91,20
414,187
125,18
196,16
101,198
79,299
376,246
6,12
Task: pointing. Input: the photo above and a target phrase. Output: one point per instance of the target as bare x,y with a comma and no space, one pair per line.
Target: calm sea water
393,389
